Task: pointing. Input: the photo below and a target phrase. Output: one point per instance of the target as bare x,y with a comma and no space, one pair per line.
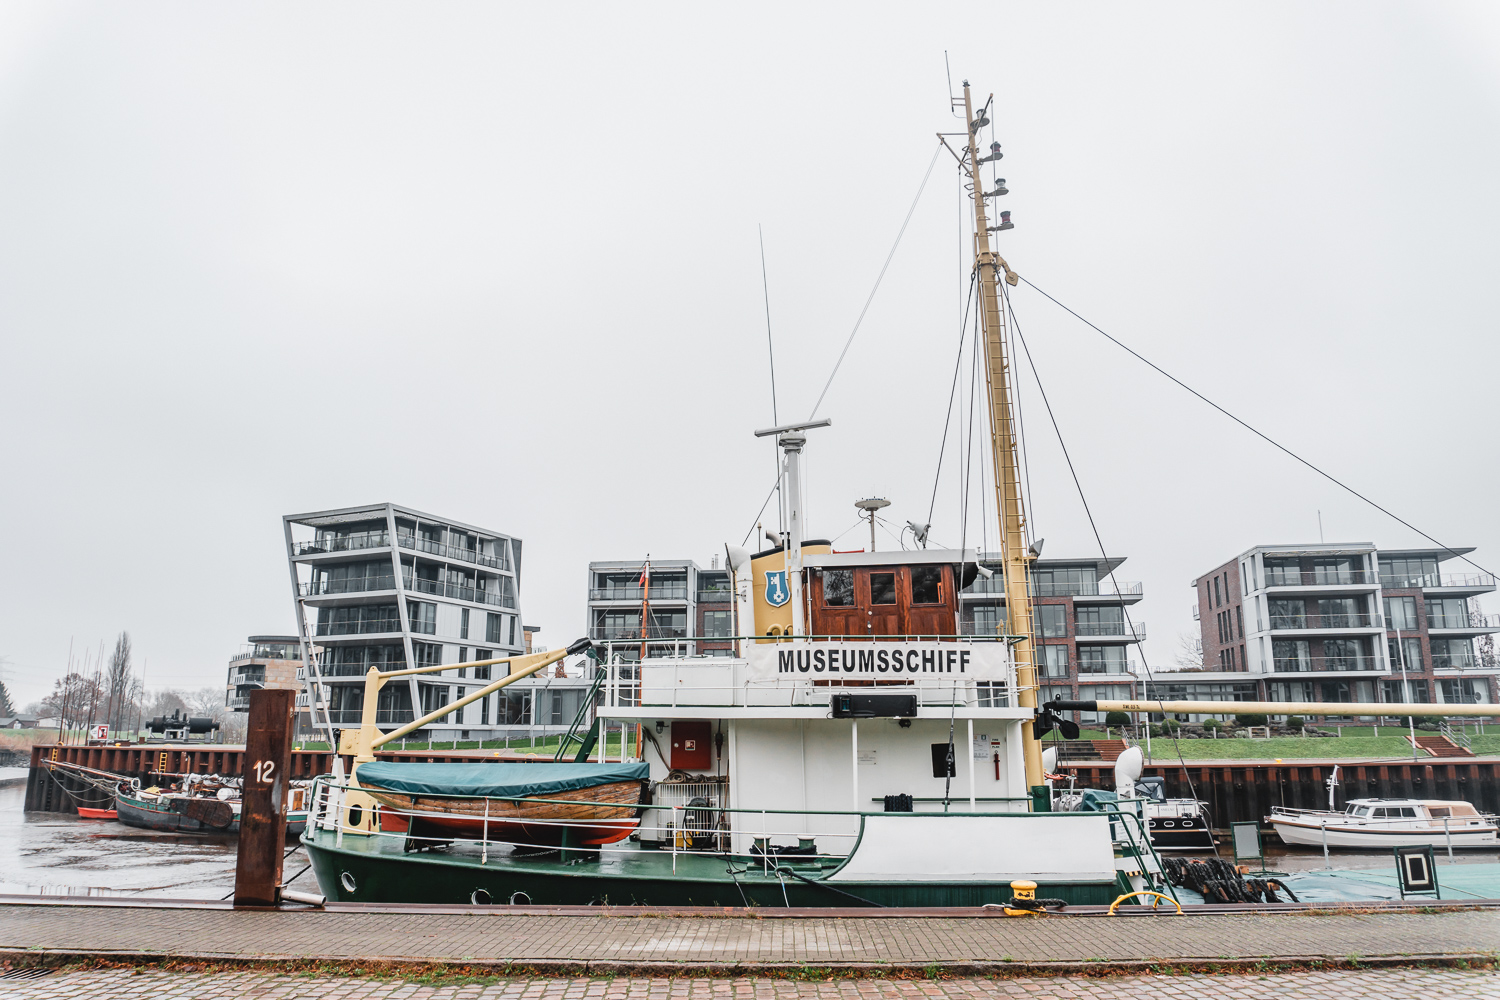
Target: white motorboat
1385,823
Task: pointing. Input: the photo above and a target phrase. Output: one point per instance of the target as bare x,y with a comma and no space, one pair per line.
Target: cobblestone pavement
590,943
1430,984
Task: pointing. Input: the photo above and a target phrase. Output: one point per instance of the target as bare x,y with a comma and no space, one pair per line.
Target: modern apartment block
1084,635
689,611
1343,623
388,586
266,661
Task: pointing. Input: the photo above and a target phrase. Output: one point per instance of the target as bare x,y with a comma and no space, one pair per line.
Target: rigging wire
963,337
774,487
1093,526
880,277
1264,437
765,287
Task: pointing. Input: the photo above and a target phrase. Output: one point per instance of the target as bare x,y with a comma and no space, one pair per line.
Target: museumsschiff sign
988,661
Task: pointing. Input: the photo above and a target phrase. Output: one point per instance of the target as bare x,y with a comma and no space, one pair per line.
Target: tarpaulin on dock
494,779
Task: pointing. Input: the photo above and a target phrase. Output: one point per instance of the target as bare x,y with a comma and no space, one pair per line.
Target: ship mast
1008,503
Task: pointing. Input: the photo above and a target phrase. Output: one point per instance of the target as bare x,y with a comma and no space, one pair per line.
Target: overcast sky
500,263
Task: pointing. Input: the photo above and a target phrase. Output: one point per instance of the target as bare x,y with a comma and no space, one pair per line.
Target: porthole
347,881
356,813
1169,823
479,897
525,900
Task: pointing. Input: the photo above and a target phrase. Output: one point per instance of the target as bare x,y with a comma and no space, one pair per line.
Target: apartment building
685,610
265,661
1342,623
389,586
1085,635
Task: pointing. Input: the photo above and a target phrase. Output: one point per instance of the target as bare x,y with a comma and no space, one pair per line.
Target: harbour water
56,854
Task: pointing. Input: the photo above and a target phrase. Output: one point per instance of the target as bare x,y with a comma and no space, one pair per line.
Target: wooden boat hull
148,815
86,813
588,823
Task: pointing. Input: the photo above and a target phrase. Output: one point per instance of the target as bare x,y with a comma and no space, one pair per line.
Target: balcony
475,595
1090,668
383,716
1278,577
360,669
1134,631
1472,622
629,632
344,543
996,585
1440,581
1338,622
267,653
248,675
328,586
434,547
719,596
374,626
667,592
1449,661
1288,665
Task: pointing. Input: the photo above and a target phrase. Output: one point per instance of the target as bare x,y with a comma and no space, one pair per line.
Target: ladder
585,740
312,679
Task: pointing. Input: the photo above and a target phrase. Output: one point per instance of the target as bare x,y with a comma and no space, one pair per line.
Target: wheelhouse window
838,588
926,585
882,588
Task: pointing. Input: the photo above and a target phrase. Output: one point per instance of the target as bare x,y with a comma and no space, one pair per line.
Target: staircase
1442,746
1108,750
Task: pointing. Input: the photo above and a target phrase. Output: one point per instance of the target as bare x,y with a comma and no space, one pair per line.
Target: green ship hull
377,870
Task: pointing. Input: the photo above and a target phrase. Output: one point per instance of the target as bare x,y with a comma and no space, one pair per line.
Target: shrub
1295,722
1117,719
1253,719
1212,724
1430,727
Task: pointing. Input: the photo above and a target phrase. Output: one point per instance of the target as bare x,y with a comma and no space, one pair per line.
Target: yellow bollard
1023,891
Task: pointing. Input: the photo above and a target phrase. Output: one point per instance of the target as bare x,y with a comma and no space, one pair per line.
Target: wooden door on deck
836,610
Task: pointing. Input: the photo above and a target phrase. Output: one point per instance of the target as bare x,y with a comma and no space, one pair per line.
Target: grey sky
500,263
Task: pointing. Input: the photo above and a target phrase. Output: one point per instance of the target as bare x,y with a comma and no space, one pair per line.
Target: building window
463,623
838,588
423,617
1410,649
1283,573
1054,660
428,654
1341,612
984,619
882,588
1345,654
463,657
434,697
1335,570
1287,614
718,624
1239,619
1464,691
1335,691
926,585
1052,620
484,710
493,626
1218,597
1447,612
1101,659
1290,655
1065,581
361,619
483,673
1401,614
1452,654
1107,620
512,630
1402,574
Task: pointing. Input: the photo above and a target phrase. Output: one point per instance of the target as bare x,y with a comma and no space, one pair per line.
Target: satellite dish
1128,767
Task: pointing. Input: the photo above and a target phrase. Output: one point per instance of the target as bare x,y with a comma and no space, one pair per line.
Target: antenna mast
1008,502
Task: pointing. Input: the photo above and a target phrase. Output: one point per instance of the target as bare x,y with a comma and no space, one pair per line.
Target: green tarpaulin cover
494,779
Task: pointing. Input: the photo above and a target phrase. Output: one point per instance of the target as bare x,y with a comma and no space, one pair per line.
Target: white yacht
1384,823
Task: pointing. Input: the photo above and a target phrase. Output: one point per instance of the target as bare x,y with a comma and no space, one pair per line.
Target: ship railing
635,692
688,824
1396,822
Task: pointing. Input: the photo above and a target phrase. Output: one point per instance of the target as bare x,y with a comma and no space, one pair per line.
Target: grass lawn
1283,748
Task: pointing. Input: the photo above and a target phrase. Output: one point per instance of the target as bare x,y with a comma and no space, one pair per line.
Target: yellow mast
1008,504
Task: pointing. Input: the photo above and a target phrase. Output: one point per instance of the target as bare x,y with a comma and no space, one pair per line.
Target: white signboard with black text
913,662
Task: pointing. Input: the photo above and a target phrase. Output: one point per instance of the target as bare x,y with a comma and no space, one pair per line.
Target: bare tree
1189,655
165,702
207,703
70,700
117,678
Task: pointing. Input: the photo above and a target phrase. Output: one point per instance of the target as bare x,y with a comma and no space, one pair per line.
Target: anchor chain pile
1218,881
